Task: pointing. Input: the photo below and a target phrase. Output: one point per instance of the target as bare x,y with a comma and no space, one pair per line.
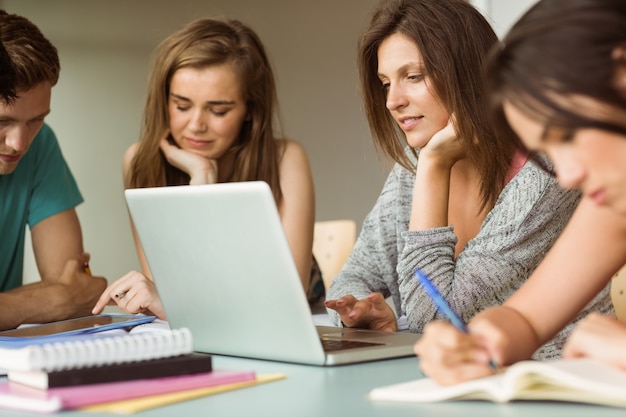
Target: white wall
105,49
502,13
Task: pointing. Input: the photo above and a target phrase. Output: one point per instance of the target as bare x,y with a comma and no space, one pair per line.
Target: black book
192,363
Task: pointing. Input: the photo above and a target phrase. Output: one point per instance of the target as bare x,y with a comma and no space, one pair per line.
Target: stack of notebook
110,369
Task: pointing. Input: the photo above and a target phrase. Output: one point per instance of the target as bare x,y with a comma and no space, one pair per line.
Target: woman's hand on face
201,170
133,293
445,147
371,312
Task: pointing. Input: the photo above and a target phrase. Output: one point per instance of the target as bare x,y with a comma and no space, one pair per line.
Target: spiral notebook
97,349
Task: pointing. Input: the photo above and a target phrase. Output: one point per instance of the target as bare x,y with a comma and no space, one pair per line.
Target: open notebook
573,380
223,268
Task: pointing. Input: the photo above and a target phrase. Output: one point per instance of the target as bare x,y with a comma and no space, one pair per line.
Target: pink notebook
22,397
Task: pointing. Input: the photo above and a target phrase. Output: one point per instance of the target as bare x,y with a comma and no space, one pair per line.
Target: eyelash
216,113
414,78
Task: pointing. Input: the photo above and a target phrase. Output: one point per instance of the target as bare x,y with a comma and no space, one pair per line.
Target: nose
17,138
396,99
197,123
569,171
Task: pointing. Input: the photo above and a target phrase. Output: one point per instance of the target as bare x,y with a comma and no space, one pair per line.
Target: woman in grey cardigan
460,203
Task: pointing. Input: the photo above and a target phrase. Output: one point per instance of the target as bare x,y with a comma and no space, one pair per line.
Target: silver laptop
223,268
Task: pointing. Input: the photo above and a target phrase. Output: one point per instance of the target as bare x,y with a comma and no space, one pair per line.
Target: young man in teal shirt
37,189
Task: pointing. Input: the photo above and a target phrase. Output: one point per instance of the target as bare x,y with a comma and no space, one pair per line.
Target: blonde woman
209,118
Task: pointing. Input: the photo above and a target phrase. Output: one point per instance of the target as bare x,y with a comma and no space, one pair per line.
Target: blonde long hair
200,44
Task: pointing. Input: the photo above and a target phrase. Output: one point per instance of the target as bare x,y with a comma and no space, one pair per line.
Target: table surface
340,391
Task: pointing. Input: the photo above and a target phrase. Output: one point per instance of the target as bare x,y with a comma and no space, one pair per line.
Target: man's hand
73,294
76,291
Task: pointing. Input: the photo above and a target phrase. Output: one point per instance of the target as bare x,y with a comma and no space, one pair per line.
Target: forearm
11,311
579,265
370,261
430,196
357,281
369,269
371,266
56,240
471,283
39,302
493,265
508,335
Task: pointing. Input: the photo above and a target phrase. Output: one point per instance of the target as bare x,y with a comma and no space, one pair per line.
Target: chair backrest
332,243
618,293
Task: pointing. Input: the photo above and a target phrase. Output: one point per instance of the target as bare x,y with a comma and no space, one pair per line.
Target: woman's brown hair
559,54
454,40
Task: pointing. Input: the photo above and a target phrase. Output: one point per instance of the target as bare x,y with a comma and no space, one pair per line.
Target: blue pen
443,306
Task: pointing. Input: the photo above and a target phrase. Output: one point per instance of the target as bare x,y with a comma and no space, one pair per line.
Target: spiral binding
108,350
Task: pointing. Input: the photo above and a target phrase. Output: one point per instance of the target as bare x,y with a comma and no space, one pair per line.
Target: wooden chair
618,293
332,243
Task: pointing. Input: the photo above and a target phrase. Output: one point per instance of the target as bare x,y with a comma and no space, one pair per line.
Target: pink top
517,163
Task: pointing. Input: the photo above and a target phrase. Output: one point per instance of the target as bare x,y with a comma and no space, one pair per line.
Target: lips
198,143
408,123
10,159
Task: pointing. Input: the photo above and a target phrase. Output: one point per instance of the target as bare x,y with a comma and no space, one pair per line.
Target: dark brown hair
27,58
559,52
200,44
454,40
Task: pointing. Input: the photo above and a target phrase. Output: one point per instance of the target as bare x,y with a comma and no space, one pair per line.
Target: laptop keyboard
331,345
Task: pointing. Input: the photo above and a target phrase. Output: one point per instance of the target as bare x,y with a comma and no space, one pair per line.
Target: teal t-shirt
41,186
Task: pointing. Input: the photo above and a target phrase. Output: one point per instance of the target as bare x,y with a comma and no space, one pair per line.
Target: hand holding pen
443,306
